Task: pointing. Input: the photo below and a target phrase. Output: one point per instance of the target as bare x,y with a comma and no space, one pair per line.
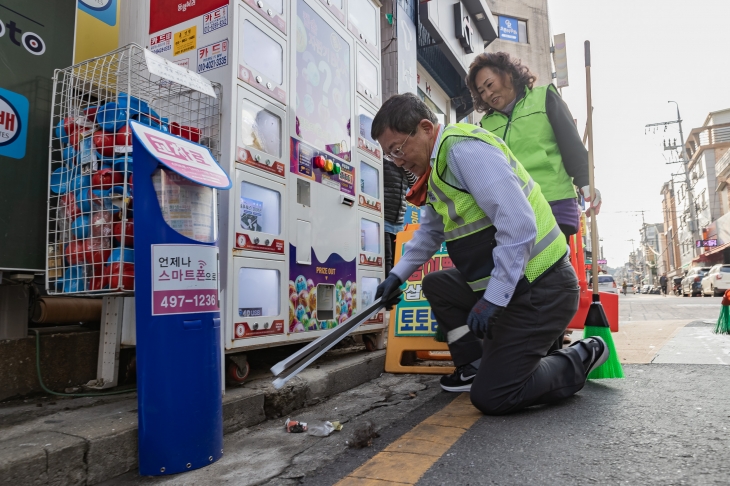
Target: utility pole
684,159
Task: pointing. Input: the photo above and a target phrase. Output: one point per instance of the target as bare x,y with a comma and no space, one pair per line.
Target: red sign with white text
166,13
188,159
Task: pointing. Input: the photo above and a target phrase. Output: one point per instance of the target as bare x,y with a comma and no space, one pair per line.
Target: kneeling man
512,291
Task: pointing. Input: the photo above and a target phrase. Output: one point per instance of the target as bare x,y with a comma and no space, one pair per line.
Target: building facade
651,244
524,32
429,45
670,257
427,50
709,168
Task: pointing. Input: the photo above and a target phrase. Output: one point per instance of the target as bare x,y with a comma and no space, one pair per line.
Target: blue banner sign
508,29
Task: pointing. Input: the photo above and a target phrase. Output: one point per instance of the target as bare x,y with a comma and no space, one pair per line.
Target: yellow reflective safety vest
469,233
528,133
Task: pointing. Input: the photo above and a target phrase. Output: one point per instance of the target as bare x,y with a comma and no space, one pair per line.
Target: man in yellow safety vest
512,291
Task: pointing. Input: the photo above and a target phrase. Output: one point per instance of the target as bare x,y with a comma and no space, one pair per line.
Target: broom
723,322
596,321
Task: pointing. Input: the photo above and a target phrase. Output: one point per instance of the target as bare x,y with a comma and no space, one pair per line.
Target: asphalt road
662,424
665,423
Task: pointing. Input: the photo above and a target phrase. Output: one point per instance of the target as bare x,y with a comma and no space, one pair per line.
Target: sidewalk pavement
89,440
669,341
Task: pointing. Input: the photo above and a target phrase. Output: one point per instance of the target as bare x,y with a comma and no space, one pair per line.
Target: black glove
482,315
386,288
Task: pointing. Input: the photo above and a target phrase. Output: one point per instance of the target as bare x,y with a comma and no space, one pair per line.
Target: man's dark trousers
514,372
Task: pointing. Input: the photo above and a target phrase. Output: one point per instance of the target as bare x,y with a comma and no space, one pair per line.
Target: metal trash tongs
306,356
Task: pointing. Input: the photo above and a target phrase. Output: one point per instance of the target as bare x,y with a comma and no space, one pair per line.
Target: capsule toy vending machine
302,228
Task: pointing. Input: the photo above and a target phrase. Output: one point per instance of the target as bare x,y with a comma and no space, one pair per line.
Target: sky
643,54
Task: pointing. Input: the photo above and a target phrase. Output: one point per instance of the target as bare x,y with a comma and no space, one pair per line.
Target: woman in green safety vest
537,126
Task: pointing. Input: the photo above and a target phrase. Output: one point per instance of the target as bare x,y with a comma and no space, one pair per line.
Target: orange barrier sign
412,324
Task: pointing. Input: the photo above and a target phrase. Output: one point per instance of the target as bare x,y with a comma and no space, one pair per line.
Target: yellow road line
407,459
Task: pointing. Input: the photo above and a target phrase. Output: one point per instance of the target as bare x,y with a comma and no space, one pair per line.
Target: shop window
512,29
259,292
260,209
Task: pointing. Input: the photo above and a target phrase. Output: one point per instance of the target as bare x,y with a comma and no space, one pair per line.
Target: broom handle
591,183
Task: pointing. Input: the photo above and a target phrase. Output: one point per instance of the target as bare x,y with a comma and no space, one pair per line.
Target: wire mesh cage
90,235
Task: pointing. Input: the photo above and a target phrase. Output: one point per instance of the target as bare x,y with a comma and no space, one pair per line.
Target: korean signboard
706,243
184,279
188,159
413,313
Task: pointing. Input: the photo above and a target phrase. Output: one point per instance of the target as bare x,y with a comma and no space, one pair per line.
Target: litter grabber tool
291,366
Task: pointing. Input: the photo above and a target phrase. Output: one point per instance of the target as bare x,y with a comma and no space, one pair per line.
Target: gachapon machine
301,229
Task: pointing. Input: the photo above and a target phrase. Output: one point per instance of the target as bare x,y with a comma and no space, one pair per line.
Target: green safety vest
529,134
469,233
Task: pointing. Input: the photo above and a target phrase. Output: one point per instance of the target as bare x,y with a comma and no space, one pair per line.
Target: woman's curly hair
506,67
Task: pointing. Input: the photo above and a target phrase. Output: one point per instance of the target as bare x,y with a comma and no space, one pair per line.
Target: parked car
606,283
655,289
692,282
630,289
645,289
717,280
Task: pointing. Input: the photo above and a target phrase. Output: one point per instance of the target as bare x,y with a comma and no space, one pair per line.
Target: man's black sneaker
460,380
597,352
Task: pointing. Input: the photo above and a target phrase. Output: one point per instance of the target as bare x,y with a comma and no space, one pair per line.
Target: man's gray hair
401,113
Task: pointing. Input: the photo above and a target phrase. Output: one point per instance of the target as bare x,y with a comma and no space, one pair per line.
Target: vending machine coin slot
303,193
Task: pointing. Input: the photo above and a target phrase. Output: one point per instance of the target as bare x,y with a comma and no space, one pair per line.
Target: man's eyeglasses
397,153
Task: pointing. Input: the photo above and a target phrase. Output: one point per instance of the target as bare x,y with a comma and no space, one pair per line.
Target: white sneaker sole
600,359
457,389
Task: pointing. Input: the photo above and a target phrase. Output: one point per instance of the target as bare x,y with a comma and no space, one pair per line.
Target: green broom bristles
597,325
723,322
612,367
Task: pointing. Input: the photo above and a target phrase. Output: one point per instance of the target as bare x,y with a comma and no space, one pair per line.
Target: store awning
711,254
